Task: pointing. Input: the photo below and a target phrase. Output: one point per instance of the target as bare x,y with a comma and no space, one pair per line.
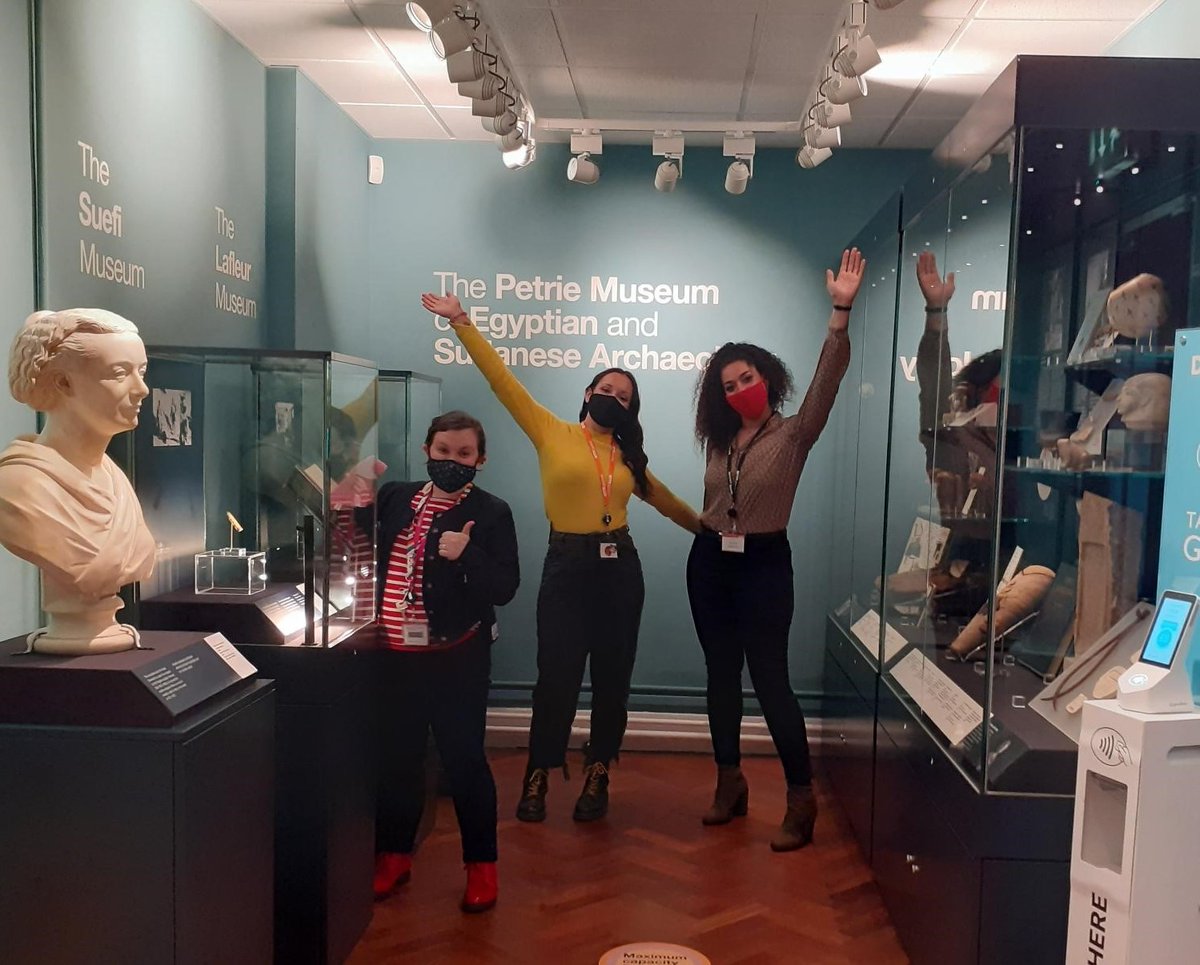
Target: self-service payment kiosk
1135,856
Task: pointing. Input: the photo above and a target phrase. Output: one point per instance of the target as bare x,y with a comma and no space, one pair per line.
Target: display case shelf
969,778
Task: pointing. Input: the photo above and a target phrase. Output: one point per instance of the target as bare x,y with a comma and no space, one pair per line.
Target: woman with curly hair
589,605
739,572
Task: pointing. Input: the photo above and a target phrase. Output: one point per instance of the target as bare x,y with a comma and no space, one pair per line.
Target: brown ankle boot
797,828
731,798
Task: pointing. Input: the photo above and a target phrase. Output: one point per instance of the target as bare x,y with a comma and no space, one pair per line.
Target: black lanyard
734,474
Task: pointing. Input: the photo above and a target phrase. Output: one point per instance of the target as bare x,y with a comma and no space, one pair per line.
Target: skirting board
682,733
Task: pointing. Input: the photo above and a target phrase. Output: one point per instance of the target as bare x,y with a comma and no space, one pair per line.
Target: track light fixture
503,124
455,32
520,156
810,157
856,52
885,4
816,136
425,13
668,173
468,66
741,148
582,169
838,89
830,115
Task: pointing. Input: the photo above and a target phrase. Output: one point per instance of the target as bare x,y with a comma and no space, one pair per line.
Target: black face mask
449,476
606,411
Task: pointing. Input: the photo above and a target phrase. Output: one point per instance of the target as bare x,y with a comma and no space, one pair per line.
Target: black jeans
742,607
446,691
588,607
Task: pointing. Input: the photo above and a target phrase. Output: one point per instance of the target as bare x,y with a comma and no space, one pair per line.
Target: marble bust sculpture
65,507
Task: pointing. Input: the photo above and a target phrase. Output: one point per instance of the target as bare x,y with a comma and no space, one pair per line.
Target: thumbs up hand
451,545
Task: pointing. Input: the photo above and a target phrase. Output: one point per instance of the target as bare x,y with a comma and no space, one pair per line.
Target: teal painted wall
1172,30
454,208
317,229
16,271
174,108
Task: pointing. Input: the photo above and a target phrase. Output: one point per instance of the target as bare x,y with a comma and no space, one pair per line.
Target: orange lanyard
605,484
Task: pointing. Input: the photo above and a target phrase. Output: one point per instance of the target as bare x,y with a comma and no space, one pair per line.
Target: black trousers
589,609
742,607
446,691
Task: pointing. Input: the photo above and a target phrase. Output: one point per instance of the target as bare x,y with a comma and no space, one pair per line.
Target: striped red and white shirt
406,570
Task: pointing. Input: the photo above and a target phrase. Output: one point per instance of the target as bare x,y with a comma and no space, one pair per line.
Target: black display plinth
151,687
273,616
325,811
140,845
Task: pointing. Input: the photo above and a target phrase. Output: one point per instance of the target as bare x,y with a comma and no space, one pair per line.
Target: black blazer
461,593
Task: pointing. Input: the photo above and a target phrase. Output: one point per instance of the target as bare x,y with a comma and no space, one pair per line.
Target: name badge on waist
416,634
608,551
733,542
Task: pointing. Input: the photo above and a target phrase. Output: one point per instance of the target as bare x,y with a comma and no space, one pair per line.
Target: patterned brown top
771,472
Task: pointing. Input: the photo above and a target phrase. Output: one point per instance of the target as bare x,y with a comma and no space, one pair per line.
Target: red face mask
991,392
749,402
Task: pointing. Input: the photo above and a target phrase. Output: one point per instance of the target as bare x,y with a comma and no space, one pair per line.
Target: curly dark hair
980,371
716,422
629,435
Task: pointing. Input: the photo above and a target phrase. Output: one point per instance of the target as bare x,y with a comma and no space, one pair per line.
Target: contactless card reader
1159,683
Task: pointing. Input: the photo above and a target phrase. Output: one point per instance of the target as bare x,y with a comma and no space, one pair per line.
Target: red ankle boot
391,871
481,886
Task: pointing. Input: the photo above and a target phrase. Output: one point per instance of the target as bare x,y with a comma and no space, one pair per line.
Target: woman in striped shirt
447,559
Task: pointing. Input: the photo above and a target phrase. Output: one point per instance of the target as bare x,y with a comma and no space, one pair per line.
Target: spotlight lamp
454,33
504,124
583,170
513,139
667,175
839,89
490,107
816,136
809,157
468,66
425,13
856,52
740,147
521,156
670,147
830,115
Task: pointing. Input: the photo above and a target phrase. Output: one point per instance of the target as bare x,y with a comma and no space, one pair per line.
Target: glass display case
408,403
256,472
1047,256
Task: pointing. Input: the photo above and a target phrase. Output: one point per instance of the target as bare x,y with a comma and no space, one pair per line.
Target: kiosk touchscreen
1159,683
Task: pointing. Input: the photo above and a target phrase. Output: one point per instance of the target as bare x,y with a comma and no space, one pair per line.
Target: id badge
608,551
416,634
733,542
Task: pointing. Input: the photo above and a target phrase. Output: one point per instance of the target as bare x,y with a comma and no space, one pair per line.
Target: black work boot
532,806
593,800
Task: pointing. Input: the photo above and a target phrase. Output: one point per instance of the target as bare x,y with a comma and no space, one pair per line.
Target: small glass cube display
233,570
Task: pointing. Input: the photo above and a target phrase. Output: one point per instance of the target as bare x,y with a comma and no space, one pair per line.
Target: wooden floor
649,872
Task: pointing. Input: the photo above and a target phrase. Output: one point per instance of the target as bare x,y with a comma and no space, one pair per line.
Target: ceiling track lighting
581,169
855,52
740,147
816,136
425,13
809,157
669,146
839,89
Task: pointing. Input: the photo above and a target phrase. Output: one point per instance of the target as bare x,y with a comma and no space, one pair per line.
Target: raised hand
451,545
844,286
448,306
936,291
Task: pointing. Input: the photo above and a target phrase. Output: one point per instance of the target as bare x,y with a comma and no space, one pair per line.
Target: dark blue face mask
450,476
606,411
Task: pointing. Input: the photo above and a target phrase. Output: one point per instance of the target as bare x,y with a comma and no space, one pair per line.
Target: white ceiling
671,63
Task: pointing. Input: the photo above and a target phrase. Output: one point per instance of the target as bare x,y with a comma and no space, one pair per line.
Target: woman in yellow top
590,601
